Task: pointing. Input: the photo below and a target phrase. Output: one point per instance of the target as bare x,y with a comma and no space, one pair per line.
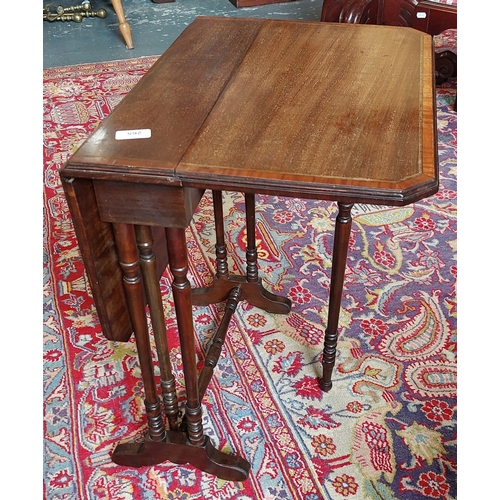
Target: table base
254,293
177,449
184,442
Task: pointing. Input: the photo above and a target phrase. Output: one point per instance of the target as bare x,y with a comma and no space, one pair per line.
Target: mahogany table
301,109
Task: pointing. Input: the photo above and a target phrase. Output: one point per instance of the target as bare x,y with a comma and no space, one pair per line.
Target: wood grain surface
294,108
323,104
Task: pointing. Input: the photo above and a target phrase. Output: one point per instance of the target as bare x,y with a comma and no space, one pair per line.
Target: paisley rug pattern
386,430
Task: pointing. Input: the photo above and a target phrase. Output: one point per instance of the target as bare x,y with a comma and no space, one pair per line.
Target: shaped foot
178,450
253,293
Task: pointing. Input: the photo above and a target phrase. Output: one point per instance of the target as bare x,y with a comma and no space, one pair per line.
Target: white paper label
123,135
421,15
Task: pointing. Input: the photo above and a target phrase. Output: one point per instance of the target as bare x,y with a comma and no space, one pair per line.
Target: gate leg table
327,111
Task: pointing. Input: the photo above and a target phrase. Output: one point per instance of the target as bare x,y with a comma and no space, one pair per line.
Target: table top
315,110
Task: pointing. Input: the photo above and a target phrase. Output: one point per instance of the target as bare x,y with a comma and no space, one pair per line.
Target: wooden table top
320,110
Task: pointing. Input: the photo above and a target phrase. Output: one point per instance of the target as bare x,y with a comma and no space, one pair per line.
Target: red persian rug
387,430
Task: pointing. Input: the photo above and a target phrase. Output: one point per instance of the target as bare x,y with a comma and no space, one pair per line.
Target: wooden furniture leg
260,297
251,253
144,236
446,65
123,25
181,290
340,247
252,289
160,445
129,261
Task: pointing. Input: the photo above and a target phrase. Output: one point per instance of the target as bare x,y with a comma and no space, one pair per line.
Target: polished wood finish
319,113
213,354
424,15
250,286
446,66
123,24
181,289
189,445
132,284
438,17
177,449
142,203
342,231
98,250
300,109
173,100
144,237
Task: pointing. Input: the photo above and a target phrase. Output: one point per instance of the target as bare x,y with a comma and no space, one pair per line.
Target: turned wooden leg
254,292
219,290
339,259
128,256
220,242
251,252
144,236
181,290
123,25
173,445
251,286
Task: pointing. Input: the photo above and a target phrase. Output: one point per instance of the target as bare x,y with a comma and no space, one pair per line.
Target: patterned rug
387,430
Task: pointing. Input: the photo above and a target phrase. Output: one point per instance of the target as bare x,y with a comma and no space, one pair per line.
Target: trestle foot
177,449
254,293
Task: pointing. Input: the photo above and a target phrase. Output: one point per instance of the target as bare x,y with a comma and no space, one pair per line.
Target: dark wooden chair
446,55
431,16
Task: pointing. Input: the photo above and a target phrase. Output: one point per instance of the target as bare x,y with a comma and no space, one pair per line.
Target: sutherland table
326,111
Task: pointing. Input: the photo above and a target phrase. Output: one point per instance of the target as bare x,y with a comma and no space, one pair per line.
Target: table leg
161,445
123,25
219,290
144,236
129,261
181,290
251,286
203,455
340,247
220,243
251,253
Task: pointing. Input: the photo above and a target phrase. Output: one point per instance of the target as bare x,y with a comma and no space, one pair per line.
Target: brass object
74,13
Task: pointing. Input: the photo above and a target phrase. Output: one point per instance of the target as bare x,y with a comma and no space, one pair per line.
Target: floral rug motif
386,430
